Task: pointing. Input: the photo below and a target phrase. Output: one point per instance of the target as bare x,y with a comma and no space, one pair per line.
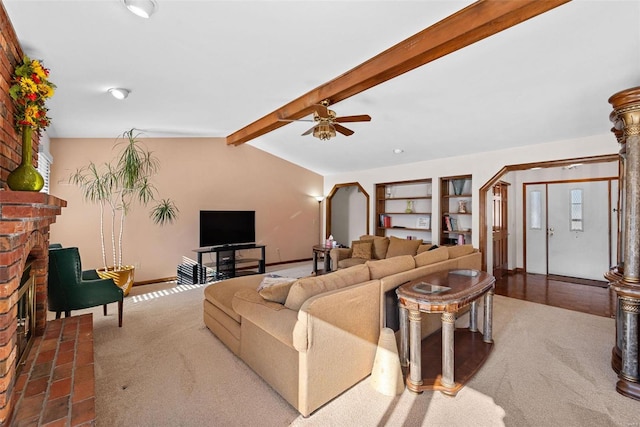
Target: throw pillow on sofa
361,250
275,288
399,247
426,247
380,245
273,279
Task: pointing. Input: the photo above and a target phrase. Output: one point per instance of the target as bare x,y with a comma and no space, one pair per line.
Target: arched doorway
347,212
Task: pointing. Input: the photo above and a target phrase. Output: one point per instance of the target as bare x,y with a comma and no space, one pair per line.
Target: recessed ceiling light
119,93
142,8
398,151
535,168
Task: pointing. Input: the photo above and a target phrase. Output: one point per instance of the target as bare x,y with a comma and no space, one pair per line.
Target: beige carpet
549,367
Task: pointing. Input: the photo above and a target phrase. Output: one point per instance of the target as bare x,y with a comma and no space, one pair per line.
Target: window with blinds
44,167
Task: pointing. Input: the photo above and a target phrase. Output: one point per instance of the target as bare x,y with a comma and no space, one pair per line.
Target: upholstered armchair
69,288
86,274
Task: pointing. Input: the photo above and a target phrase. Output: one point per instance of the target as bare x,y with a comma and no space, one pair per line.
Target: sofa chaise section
219,315
311,355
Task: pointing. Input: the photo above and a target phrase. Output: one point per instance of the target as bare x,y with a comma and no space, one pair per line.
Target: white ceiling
208,68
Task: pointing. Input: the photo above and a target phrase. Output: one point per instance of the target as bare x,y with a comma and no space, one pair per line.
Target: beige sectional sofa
313,338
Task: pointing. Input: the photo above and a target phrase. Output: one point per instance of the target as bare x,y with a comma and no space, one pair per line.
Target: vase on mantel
25,177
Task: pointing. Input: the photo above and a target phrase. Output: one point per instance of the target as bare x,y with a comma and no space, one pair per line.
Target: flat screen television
219,228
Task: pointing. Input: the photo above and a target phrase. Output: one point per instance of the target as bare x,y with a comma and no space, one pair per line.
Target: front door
568,228
579,229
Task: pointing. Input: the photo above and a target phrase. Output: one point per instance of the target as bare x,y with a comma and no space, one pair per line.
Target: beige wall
483,166
198,173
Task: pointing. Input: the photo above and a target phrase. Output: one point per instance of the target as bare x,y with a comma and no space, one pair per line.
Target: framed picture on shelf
423,222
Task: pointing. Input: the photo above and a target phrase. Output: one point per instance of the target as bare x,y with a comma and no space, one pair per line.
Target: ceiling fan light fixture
324,131
119,93
141,8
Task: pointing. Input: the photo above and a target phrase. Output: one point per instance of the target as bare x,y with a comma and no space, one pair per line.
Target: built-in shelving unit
455,206
403,209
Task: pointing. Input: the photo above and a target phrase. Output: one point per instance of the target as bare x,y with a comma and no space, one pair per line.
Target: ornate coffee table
445,292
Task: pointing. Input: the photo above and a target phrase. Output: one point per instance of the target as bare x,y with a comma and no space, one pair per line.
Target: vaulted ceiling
209,68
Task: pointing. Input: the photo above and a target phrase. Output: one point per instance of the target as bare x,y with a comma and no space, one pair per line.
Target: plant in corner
117,186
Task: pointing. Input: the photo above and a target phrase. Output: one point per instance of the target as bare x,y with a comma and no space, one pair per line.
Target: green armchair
69,288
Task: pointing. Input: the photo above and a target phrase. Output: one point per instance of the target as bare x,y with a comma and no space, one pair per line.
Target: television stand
228,264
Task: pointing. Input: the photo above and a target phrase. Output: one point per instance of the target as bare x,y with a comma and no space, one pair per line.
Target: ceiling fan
327,123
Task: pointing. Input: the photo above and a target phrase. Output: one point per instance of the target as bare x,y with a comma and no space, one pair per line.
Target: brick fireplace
25,218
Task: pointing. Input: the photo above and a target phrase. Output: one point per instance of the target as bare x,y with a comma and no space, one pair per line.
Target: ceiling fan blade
322,110
298,120
309,131
343,130
360,118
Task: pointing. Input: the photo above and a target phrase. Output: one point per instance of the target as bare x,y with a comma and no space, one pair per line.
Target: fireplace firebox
26,316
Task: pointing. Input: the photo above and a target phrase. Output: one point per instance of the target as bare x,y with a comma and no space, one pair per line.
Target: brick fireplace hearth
25,218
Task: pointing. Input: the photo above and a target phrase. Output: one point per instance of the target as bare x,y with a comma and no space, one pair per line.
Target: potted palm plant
117,186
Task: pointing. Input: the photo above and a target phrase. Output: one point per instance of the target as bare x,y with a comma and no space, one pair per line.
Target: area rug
549,366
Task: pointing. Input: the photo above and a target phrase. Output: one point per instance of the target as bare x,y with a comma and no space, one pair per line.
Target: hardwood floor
586,296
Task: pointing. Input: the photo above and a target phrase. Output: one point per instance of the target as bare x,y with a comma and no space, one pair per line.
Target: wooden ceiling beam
465,27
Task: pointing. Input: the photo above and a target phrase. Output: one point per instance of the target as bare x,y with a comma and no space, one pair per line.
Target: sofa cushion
431,257
380,245
277,292
350,262
460,250
361,249
386,267
399,247
305,288
251,296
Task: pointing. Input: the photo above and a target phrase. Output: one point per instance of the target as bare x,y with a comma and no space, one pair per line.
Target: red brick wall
10,143
25,218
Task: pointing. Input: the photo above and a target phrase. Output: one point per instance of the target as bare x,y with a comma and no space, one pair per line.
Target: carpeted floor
549,367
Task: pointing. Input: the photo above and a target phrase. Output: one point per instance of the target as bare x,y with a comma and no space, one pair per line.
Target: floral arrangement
30,88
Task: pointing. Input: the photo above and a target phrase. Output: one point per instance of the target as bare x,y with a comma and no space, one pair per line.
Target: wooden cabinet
403,209
455,207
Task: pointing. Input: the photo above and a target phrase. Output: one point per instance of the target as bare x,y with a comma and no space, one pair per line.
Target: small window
576,210
535,210
44,167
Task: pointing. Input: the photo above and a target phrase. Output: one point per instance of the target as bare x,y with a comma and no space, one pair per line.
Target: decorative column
488,316
625,279
415,348
448,329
